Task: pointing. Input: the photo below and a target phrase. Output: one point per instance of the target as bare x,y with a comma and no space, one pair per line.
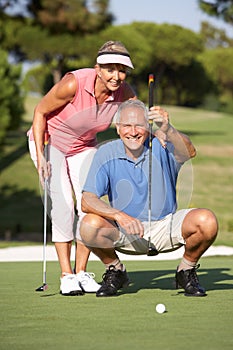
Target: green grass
210,174
32,320
207,180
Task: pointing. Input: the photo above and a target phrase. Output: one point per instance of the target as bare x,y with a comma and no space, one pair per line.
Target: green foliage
65,35
36,80
70,16
11,99
214,37
218,8
49,30
164,48
180,78
218,65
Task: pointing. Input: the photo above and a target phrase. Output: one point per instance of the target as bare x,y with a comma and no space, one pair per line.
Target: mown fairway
32,320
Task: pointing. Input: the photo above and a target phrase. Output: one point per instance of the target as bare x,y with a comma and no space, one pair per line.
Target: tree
180,77
169,51
219,8
74,16
11,98
218,65
174,62
214,37
51,31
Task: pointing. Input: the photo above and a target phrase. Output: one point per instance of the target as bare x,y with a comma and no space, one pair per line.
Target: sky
182,12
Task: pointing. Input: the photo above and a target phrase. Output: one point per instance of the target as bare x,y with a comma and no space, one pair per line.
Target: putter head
42,288
152,251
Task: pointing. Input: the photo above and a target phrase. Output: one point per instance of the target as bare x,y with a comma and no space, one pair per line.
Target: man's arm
183,147
94,205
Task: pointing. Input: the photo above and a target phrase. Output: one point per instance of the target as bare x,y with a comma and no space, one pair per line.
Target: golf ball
160,308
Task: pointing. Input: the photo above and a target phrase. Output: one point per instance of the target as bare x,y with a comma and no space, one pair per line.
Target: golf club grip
151,90
46,142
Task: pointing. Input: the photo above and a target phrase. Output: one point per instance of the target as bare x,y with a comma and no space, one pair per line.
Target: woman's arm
60,94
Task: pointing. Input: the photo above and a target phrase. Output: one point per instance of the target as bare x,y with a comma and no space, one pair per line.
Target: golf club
151,250
44,285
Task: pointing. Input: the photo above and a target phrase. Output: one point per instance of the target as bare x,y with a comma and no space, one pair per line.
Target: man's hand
131,225
184,148
161,118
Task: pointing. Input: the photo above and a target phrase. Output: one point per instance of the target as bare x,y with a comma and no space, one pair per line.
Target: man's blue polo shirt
125,181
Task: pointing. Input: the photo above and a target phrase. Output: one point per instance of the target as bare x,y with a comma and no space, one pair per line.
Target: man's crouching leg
199,229
99,235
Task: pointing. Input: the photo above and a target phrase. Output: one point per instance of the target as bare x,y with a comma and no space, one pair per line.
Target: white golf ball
160,308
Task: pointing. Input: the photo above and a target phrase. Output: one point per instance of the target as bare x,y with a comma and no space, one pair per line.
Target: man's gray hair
131,103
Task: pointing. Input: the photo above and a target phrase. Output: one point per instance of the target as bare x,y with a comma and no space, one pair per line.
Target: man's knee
207,221
203,221
91,220
89,226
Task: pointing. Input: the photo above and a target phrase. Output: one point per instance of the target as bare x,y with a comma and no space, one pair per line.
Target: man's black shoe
113,280
188,280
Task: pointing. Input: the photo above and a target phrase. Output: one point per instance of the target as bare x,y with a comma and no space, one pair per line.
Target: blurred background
187,45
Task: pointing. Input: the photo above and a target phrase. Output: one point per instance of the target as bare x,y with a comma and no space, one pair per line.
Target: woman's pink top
73,129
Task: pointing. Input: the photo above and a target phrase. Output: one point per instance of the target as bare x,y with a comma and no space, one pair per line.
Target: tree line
191,69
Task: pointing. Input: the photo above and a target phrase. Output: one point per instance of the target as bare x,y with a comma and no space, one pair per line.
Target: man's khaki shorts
165,235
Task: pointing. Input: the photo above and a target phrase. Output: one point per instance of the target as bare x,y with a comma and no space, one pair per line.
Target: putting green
31,320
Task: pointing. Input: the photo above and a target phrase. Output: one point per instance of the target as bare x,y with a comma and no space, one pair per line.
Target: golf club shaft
151,249
44,285
45,231
46,141
151,102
